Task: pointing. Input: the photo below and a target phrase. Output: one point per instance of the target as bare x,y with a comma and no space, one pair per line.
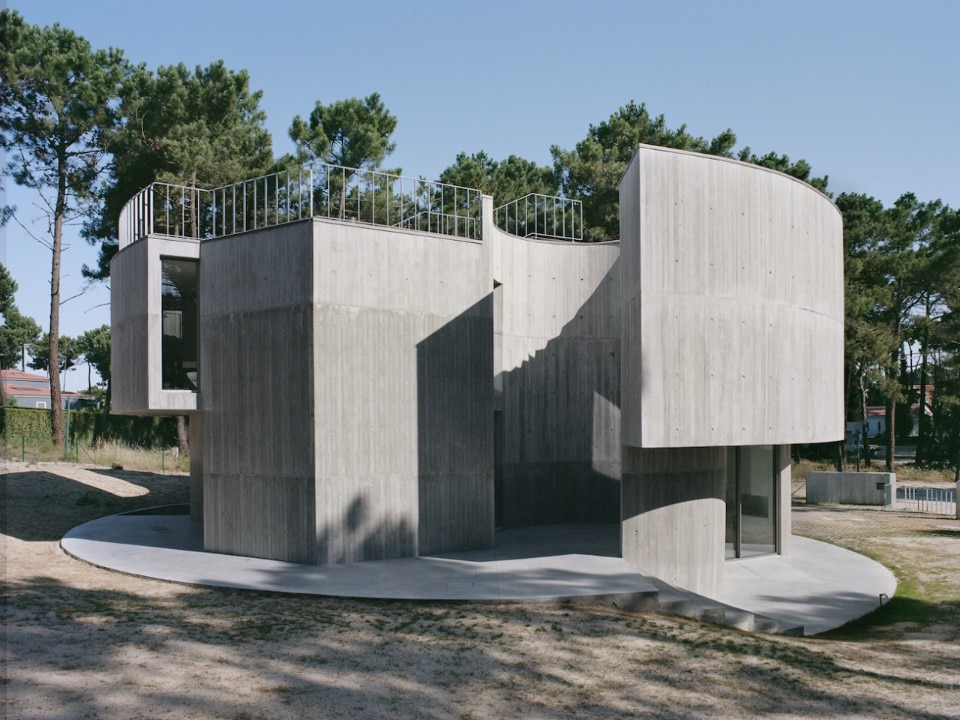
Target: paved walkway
818,586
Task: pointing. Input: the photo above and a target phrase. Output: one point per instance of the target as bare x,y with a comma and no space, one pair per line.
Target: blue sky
867,91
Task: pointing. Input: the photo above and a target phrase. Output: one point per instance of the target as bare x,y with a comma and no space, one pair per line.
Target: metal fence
165,209
319,190
265,201
542,216
378,198
937,501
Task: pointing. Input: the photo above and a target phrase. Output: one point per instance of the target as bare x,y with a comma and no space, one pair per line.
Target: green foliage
135,431
17,330
94,345
34,423
902,274
56,106
193,128
352,133
800,169
55,95
40,353
8,287
592,171
506,180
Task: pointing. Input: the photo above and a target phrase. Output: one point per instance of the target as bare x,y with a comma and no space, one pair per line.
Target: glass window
178,306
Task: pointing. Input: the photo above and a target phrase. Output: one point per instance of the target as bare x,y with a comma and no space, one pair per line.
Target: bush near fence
135,431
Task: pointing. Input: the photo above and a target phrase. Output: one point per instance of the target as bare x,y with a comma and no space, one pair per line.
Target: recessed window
179,320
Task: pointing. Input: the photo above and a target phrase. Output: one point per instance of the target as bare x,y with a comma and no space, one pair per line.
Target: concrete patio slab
819,586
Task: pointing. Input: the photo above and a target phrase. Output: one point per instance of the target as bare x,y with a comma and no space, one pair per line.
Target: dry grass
104,454
87,643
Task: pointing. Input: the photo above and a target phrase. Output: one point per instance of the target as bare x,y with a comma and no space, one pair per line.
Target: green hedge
138,431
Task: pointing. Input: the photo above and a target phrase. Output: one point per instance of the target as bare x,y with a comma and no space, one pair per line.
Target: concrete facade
369,392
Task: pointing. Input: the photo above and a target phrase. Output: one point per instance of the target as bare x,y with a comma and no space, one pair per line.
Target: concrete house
376,367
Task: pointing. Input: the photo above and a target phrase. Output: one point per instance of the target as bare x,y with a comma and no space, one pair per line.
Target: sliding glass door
752,502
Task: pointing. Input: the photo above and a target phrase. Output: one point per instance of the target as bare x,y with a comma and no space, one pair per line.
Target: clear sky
867,91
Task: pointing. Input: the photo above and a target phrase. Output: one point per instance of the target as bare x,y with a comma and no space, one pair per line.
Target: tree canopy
18,331
94,346
353,133
505,180
56,108
591,171
198,128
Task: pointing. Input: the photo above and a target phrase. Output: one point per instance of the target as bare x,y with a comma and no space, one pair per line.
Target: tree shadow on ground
224,653
42,506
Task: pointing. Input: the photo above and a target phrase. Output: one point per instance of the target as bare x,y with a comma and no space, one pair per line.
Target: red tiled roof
14,375
16,382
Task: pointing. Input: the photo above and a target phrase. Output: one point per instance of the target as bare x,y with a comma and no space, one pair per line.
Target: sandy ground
82,642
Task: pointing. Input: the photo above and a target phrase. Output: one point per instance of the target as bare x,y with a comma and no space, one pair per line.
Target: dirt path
89,643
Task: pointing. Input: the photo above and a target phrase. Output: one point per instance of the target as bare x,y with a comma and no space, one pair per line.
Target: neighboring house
877,419
373,368
31,390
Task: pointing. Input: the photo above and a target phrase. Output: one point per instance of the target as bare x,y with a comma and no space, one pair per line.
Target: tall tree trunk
864,427
891,432
183,436
842,455
922,423
104,416
53,368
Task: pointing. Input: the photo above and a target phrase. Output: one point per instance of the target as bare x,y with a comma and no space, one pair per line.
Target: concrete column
672,512
196,467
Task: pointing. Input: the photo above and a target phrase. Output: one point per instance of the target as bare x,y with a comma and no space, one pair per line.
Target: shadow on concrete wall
551,449
455,433
362,535
559,459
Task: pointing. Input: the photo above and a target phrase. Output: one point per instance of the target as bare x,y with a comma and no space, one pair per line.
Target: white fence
937,501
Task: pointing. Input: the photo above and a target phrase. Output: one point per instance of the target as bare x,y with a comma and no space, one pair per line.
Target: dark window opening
179,320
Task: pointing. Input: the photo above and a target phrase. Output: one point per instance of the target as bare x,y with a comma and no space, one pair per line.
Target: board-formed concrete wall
347,387
851,488
558,373
403,392
732,282
672,513
732,335
135,321
256,295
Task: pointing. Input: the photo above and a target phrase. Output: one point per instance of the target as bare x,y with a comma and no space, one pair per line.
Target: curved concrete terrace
818,587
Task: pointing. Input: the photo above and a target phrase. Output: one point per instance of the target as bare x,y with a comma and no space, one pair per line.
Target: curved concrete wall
557,327
733,305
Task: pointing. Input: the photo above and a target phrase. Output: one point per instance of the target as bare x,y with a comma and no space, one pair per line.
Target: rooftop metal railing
164,209
378,198
543,217
318,190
